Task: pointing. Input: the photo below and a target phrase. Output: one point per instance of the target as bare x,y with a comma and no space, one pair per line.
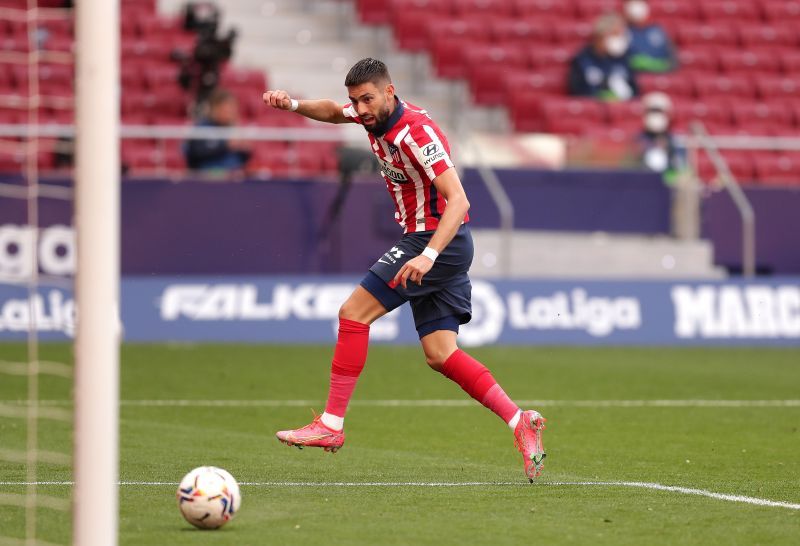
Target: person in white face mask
651,49
658,148
659,151
601,68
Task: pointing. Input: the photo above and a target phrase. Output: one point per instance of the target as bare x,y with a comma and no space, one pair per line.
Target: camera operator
200,70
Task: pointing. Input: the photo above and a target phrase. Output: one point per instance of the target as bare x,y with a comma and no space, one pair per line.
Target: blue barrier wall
279,226
304,310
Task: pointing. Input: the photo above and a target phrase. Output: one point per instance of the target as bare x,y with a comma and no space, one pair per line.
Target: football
208,497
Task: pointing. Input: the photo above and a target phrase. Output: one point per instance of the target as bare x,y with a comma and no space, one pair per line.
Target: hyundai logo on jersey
430,149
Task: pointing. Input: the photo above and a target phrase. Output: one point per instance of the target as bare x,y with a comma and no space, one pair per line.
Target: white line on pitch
639,485
444,403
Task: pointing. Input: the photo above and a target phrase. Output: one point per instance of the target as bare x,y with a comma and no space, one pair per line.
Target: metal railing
700,140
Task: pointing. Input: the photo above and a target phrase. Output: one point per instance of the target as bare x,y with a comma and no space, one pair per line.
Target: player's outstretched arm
319,109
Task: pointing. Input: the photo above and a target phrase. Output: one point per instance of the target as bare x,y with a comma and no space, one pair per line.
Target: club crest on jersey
395,151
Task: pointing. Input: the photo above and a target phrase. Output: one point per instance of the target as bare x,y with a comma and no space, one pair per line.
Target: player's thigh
362,307
438,346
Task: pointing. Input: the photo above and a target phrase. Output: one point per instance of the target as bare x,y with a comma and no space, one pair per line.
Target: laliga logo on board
488,316
574,311
730,311
54,314
56,250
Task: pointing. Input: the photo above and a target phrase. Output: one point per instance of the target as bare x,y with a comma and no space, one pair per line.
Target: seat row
372,12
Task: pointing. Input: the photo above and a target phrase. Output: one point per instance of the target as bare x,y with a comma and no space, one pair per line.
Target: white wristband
430,253
295,105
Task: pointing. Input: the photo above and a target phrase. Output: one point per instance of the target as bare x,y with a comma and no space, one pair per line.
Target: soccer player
427,267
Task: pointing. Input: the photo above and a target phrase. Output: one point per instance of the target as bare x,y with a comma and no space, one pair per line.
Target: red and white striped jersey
412,153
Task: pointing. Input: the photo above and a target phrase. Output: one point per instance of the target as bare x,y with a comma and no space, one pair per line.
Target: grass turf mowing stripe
689,403
640,485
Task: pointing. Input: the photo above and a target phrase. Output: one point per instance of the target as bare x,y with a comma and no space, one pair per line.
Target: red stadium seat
521,31
779,11
740,165
135,118
716,34
759,35
673,10
161,77
173,157
752,60
547,57
677,84
564,9
373,13
733,85
590,9
136,49
575,33
155,25
778,168
468,27
430,6
12,115
555,110
779,87
56,27
524,110
625,112
482,7
485,83
699,58
707,112
765,113
612,134
241,78
551,82
566,126
486,66
448,56
728,10
58,43
411,29
790,61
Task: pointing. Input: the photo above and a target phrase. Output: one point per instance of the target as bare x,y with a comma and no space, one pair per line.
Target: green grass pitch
737,450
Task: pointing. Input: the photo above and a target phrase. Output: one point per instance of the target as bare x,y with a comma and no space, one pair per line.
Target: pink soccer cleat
315,434
528,440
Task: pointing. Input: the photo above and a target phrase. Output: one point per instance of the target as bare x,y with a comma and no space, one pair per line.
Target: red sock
477,382
348,361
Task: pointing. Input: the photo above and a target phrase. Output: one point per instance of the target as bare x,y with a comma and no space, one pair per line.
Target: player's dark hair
368,70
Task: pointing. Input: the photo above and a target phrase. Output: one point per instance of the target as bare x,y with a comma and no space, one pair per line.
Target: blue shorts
443,301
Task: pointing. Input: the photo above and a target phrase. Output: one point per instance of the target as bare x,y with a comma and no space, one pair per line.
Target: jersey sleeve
350,113
429,150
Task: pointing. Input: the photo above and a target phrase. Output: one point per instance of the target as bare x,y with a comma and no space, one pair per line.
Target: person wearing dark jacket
219,155
651,49
601,69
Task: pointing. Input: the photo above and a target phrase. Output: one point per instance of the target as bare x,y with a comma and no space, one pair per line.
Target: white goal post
96,461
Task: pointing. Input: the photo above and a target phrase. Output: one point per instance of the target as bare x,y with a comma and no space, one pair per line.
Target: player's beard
381,121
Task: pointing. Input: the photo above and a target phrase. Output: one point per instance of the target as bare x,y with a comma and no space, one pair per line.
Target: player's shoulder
417,119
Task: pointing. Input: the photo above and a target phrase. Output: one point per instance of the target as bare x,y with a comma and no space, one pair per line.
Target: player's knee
359,313
436,359
349,311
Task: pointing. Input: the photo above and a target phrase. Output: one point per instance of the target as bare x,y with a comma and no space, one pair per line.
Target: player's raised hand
278,99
